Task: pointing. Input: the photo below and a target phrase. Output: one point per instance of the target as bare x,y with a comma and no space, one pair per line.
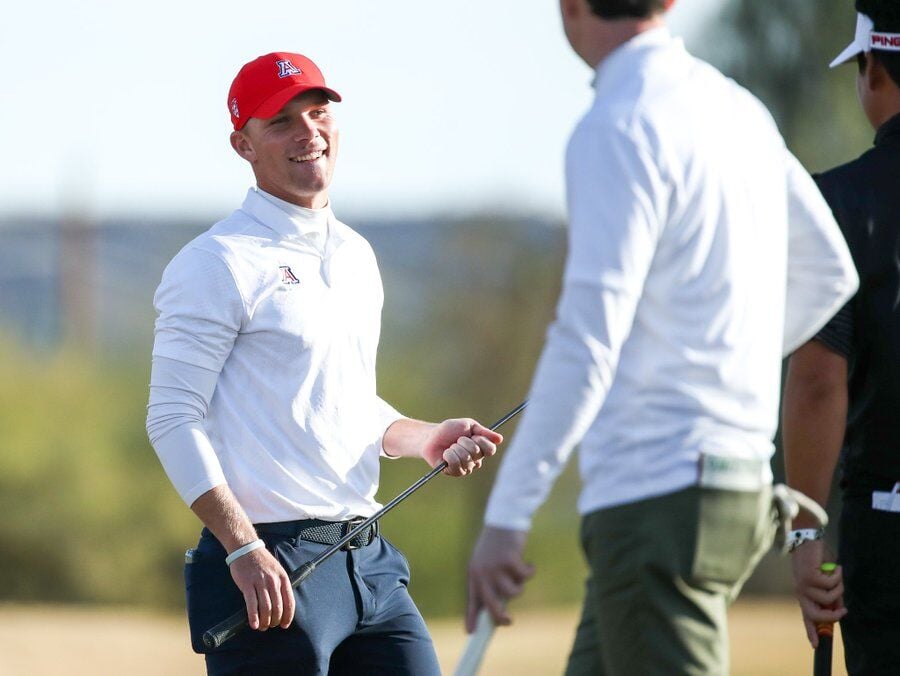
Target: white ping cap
866,40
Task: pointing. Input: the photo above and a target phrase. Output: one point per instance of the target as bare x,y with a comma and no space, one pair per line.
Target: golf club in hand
825,630
226,629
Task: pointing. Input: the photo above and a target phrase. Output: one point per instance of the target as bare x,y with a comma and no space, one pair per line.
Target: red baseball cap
263,86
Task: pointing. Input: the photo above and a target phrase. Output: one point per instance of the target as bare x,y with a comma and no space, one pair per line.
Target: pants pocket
734,530
211,593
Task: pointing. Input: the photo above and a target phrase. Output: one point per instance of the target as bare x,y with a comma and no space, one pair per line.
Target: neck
600,38
317,200
887,111
291,208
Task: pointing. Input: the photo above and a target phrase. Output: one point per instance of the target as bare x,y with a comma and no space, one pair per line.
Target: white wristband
798,537
246,549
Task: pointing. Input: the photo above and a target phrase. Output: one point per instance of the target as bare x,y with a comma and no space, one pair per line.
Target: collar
288,220
890,130
626,57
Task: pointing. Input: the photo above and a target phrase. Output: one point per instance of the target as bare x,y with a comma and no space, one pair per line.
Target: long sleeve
199,316
385,416
179,399
821,276
614,196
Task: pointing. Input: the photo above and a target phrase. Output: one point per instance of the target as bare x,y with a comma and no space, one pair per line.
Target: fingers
811,634
473,606
497,572
824,597
266,589
277,604
490,435
287,594
817,614
492,601
491,589
265,607
252,608
467,454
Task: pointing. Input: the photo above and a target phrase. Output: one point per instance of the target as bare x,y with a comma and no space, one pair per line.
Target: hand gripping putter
230,627
825,630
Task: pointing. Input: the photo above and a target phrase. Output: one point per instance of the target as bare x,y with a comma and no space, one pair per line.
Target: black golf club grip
822,657
232,626
226,629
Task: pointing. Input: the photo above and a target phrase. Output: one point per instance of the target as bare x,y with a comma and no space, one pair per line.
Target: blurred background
454,122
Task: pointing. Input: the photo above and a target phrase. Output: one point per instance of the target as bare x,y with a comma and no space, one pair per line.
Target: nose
305,130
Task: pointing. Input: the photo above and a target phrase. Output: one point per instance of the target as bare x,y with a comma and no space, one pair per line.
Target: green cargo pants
662,574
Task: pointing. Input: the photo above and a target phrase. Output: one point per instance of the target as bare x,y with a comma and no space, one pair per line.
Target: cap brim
852,50
273,104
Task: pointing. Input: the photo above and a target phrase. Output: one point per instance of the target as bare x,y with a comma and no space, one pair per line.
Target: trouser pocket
211,593
734,530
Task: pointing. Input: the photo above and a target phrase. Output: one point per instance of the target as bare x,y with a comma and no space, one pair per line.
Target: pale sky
117,107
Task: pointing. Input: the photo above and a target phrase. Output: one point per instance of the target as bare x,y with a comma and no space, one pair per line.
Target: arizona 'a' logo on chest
287,276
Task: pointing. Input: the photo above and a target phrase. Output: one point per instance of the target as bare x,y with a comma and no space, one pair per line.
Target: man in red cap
700,252
264,413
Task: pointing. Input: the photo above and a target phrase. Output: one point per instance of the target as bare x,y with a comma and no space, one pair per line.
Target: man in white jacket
264,413
700,252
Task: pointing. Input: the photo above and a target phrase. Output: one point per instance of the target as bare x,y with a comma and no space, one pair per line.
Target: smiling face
293,153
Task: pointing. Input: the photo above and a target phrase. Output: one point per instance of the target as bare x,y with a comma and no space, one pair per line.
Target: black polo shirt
865,198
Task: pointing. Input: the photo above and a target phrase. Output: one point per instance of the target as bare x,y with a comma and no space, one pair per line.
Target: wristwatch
796,538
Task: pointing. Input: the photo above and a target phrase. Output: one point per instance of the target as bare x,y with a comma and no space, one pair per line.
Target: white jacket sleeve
615,201
200,313
821,277
179,399
386,415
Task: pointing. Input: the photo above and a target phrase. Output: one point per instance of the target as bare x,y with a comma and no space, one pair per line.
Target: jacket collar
626,59
288,220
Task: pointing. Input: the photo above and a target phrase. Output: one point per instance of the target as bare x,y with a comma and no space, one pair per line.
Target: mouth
308,157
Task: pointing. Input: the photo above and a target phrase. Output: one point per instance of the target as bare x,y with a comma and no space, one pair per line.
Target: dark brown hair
621,9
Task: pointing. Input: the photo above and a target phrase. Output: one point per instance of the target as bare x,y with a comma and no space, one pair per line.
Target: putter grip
230,627
823,656
226,629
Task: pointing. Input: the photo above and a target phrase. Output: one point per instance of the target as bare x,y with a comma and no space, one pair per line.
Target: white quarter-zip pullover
274,315
700,252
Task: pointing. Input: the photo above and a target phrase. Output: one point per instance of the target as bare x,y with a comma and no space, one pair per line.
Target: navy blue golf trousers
354,614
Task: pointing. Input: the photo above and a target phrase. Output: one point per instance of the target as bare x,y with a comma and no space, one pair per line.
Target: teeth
308,157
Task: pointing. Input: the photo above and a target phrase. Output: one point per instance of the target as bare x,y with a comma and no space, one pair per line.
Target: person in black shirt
842,396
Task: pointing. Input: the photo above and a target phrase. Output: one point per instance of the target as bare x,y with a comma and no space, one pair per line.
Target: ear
243,146
570,9
875,74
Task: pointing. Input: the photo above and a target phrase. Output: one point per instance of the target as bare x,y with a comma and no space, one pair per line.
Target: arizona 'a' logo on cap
234,108
286,68
288,277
